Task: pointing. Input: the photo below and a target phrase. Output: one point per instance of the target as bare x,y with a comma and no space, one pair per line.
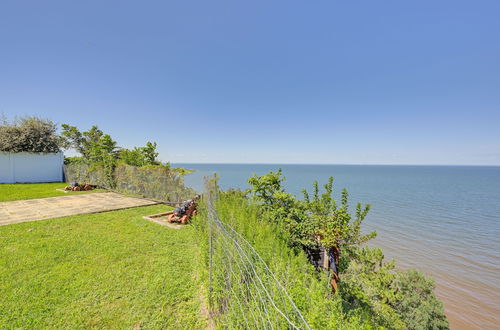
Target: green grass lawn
17,191
106,270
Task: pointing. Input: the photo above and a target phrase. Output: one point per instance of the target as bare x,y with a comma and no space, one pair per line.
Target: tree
97,149
332,222
332,225
93,145
150,154
29,134
140,156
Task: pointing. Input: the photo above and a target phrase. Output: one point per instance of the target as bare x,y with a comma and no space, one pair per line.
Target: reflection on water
443,220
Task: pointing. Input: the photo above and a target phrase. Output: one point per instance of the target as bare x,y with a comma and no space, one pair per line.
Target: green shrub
29,134
417,304
368,287
74,160
309,289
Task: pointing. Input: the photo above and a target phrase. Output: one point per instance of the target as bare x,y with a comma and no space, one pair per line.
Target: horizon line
330,164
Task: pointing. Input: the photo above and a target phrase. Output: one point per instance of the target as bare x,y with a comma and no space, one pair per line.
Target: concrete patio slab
62,206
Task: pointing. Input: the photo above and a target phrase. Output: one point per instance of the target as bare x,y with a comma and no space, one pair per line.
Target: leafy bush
281,207
395,299
417,304
74,160
29,134
181,171
369,287
365,287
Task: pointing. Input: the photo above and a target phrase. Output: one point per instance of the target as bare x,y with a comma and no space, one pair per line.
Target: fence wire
153,182
243,291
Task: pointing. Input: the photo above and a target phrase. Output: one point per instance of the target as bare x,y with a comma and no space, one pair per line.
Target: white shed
31,167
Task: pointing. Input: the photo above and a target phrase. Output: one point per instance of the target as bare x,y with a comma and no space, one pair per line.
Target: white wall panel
31,167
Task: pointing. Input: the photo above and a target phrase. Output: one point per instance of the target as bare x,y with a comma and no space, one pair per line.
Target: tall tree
93,144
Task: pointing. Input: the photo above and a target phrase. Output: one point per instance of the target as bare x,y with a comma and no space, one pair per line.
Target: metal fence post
210,248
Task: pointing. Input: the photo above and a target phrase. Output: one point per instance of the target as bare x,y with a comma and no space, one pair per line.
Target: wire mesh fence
153,182
243,291
159,183
86,173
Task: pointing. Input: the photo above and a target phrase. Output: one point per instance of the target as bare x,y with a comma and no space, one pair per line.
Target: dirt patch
162,220
205,312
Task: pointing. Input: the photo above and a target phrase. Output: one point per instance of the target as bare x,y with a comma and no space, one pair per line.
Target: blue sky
364,82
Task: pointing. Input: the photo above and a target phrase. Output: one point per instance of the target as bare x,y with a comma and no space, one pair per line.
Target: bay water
442,220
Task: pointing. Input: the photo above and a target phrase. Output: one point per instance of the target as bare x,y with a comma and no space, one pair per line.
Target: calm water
443,220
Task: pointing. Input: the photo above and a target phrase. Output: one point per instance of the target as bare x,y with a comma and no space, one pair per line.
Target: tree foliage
417,304
93,145
29,134
98,150
140,156
282,208
135,171
317,220
333,224
97,147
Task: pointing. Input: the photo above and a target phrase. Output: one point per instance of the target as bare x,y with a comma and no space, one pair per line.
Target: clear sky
365,82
